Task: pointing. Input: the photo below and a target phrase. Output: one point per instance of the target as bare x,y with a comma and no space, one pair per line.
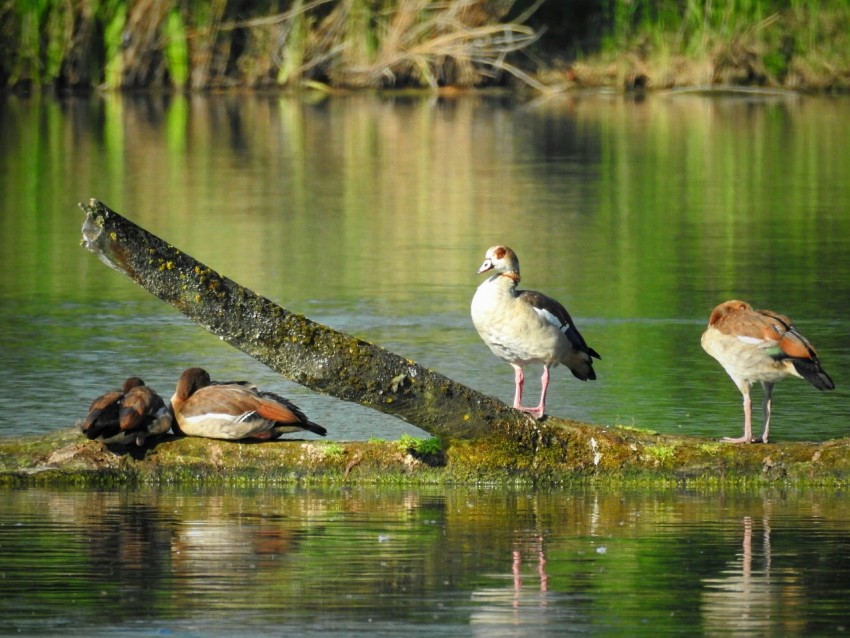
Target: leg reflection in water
522,604
748,595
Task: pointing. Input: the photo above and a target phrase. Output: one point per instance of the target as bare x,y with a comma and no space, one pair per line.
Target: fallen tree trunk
301,350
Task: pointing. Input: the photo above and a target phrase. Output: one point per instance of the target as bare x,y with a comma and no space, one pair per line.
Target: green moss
710,448
330,451
408,443
565,454
631,428
662,454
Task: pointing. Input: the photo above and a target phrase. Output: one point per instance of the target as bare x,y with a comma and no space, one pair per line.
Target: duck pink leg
766,403
518,382
748,419
544,384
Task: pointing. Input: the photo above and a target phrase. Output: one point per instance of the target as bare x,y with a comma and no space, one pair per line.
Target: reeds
202,44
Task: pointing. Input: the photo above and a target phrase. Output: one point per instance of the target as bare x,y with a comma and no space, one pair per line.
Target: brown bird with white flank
764,346
233,411
524,327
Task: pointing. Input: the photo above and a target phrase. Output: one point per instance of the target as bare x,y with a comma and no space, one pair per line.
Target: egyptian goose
143,414
129,415
760,345
523,326
233,410
102,417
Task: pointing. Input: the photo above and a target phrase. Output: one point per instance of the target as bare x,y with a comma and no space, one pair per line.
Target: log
301,350
571,454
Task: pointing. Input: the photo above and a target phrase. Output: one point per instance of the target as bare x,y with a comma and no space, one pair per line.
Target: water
371,215
430,562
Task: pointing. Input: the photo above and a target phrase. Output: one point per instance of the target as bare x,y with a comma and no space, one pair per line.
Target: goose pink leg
519,380
536,412
748,418
766,405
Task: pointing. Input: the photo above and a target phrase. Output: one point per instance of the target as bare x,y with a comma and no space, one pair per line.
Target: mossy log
301,350
568,454
485,441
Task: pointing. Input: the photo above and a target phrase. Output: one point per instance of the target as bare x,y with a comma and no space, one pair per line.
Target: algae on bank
568,453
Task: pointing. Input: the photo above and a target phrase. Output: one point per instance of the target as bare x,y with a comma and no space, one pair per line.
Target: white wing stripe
552,319
218,416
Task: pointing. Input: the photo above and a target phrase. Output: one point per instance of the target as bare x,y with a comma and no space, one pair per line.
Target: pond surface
371,215
441,562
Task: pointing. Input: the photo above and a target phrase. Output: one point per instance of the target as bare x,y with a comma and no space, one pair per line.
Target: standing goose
233,411
524,327
760,345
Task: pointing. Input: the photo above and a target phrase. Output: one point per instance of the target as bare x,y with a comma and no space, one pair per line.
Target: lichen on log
301,350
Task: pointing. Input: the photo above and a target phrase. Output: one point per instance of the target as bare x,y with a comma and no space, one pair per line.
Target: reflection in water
741,600
433,561
747,598
524,605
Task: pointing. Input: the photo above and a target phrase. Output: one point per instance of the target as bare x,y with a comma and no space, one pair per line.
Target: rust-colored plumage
130,415
234,410
764,346
102,418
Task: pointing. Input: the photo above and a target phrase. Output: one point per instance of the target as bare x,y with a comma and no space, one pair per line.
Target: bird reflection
502,611
516,568
224,556
746,597
127,546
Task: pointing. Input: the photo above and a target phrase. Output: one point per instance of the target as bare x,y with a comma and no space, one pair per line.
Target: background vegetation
83,44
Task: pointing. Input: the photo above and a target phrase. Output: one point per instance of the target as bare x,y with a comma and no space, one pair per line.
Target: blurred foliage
201,44
204,44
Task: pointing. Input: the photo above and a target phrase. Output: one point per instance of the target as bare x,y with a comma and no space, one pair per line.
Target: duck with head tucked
764,346
234,410
130,415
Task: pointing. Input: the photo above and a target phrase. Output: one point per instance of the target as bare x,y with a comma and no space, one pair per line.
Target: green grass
796,44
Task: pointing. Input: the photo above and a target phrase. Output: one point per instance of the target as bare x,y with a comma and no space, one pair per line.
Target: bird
526,327
129,415
234,410
102,417
143,413
764,346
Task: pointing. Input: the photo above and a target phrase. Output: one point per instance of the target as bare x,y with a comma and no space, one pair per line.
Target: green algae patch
62,458
68,458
